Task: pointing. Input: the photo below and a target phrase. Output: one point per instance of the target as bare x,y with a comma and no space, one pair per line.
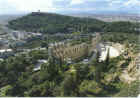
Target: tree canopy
55,23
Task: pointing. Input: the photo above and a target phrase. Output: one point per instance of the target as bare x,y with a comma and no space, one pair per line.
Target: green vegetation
4,90
54,23
130,90
130,40
55,78
127,27
122,38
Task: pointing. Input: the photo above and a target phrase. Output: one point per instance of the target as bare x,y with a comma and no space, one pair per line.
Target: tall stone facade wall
73,52
95,41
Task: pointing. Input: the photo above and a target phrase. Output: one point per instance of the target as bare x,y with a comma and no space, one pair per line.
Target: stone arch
64,51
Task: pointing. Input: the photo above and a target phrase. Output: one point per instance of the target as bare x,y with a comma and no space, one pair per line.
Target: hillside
55,23
121,26
5,18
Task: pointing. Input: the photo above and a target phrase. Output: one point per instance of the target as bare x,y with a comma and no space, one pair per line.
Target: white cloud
73,2
114,2
31,5
130,3
16,6
6,7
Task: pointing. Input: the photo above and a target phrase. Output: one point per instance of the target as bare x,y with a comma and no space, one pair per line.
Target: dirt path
126,77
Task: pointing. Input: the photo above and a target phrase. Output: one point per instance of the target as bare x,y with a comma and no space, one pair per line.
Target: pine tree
97,56
107,57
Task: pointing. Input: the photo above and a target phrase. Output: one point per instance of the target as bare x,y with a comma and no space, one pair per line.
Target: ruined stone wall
95,41
73,52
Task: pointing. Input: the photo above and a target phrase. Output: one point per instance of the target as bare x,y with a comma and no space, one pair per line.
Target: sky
69,6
